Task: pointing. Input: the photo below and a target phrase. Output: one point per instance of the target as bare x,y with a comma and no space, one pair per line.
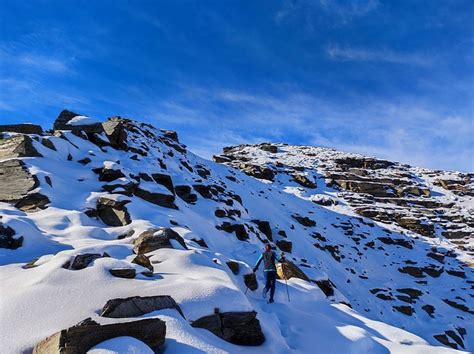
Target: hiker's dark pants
270,282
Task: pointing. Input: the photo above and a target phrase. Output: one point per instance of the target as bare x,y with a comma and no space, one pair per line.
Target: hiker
269,257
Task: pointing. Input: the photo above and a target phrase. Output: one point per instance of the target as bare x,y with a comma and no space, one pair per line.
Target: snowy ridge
150,180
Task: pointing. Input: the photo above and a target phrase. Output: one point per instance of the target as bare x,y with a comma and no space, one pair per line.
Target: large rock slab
87,334
137,306
240,328
154,239
81,261
17,146
15,181
288,270
32,202
25,128
115,130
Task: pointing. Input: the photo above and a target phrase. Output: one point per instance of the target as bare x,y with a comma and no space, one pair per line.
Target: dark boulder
250,281
304,220
25,128
154,239
87,334
240,328
61,123
109,174
304,181
264,227
137,306
127,273
184,192
257,171
326,286
81,261
161,199
233,266
164,180
268,147
7,240
239,230
113,212
285,246
397,242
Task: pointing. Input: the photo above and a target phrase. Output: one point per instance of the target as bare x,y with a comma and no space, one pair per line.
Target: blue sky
393,79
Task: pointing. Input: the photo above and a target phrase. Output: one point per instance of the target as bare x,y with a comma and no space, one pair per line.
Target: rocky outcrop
113,212
239,230
138,305
241,328
257,171
115,130
17,146
16,181
154,239
24,128
265,228
32,202
304,181
88,333
285,246
62,123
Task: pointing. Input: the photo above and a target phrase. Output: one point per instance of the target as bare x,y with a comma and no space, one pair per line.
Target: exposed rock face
154,239
326,286
17,146
144,261
109,174
241,328
137,306
16,181
113,212
264,227
87,334
304,181
304,220
239,230
7,240
257,171
22,128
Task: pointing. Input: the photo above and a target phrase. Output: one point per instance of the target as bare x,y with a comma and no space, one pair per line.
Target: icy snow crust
40,301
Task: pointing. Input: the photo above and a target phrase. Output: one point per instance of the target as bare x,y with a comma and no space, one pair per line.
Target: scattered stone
396,241
304,181
239,229
109,174
138,305
429,309
264,227
200,242
458,306
240,328
113,212
437,256
154,239
88,333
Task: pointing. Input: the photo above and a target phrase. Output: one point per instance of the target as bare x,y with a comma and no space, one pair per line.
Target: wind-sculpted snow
373,287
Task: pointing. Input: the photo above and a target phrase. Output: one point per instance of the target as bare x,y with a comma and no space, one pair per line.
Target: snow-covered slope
370,287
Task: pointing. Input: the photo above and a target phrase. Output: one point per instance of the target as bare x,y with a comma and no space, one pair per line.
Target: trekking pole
287,292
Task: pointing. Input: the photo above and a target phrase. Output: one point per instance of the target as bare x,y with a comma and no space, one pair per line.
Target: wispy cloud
33,62
345,53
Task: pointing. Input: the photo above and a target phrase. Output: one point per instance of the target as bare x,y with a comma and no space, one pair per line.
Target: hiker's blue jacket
268,259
